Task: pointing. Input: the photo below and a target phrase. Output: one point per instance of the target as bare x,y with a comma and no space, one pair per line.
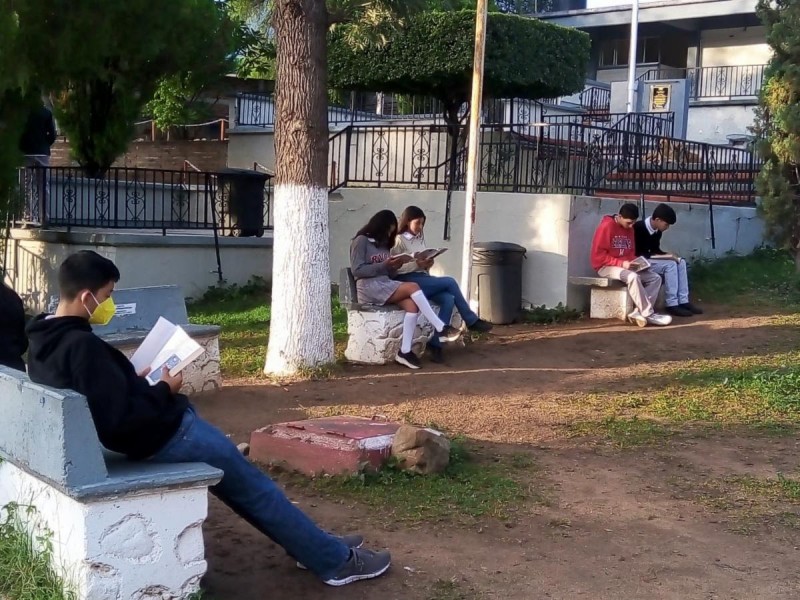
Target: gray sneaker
362,564
351,541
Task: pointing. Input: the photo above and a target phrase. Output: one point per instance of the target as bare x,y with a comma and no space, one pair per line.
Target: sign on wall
660,96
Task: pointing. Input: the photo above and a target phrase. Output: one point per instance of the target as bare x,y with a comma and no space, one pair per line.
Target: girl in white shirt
444,291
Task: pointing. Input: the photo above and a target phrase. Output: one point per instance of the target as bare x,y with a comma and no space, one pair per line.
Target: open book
640,263
426,254
167,345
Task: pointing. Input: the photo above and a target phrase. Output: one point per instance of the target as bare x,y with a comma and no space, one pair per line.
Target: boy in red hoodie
613,250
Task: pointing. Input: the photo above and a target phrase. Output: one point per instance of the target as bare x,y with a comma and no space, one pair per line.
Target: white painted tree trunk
301,333
301,328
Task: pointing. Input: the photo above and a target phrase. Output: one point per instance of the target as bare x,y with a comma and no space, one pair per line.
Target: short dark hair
666,213
85,270
629,211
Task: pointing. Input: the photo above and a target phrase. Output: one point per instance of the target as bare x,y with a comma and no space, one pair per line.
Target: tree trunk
301,331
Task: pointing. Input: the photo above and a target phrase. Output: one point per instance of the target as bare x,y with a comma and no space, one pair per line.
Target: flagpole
476,102
629,107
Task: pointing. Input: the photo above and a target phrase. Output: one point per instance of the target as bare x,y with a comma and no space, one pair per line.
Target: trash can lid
231,173
481,247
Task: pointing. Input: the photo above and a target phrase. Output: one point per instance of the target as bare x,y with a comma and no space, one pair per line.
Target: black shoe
481,326
679,311
408,359
437,356
696,310
362,564
449,334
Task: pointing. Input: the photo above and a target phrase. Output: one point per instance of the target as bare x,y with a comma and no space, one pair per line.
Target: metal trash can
497,281
243,201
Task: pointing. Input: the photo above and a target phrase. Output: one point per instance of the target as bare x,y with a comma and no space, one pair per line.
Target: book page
167,345
640,263
177,352
152,344
429,253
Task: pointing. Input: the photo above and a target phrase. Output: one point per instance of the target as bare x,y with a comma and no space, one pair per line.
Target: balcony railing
708,83
133,198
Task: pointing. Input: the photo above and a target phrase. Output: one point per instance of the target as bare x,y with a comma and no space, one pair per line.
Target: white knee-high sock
409,326
425,308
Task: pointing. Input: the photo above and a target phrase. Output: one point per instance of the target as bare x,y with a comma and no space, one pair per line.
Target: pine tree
778,125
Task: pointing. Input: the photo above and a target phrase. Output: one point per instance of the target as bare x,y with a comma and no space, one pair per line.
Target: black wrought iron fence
737,81
638,156
255,110
134,198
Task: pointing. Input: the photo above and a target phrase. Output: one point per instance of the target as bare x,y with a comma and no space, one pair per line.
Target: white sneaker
658,319
637,318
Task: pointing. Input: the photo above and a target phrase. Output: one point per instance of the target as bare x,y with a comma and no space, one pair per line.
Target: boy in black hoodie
158,424
13,342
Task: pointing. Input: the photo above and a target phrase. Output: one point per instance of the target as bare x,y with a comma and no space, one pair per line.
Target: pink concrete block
330,445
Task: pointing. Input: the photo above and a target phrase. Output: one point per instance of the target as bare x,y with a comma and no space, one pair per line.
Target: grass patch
750,503
243,313
26,571
472,487
764,278
550,316
622,432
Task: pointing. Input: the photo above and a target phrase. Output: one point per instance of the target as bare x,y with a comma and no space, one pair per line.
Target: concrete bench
609,298
138,309
119,529
374,332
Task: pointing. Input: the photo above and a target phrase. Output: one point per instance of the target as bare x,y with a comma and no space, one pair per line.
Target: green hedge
432,55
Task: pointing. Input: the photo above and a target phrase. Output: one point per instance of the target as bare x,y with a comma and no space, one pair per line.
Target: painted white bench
138,309
119,529
374,332
609,298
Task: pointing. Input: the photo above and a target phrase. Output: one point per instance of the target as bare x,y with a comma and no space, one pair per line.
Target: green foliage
26,571
778,124
432,55
106,62
551,316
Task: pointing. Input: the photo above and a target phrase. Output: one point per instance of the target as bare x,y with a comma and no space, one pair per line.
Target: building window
614,53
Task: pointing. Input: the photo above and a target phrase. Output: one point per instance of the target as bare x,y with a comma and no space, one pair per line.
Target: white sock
409,326
425,308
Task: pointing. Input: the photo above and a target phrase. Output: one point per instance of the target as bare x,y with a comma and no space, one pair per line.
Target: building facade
718,46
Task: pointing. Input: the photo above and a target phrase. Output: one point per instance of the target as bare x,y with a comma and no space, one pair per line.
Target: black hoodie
13,342
131,416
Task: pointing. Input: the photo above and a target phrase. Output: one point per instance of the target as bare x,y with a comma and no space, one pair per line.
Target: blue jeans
254,496
445,292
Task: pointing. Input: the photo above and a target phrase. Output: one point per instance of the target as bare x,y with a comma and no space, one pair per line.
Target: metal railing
705,83
134,198
595,99
255,110
559,157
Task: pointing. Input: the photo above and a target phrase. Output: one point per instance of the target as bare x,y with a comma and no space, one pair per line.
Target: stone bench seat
138,309
119,529
374,331
609,298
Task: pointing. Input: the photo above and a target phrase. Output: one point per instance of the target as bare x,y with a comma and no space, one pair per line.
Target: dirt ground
619,524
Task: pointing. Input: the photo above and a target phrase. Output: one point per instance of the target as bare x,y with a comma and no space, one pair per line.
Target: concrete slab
332,445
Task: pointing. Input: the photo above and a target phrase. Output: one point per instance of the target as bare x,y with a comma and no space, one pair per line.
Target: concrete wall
730,47
713,122
555,228
143,260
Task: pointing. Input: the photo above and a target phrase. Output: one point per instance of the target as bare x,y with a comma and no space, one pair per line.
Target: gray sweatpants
643,286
